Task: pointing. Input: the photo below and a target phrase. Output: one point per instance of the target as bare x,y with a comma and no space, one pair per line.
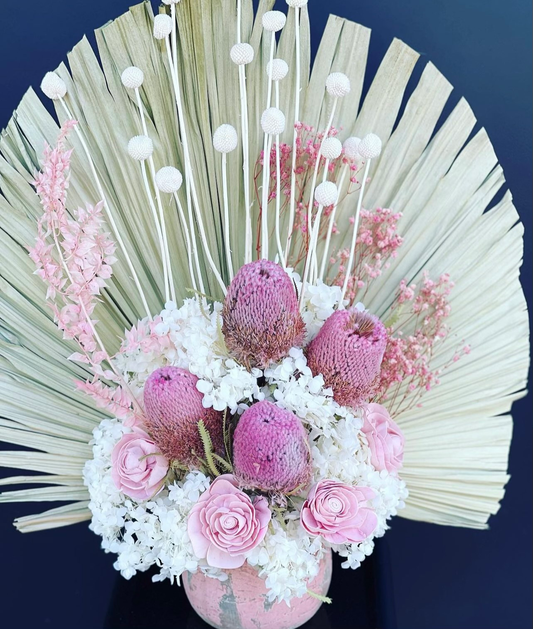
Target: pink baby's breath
377,243
307,146
419,315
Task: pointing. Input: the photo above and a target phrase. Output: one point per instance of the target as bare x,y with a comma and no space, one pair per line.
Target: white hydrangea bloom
287,558
141,534
319,302
191,338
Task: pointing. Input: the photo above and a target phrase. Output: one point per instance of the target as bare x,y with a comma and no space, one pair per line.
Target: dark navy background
422,576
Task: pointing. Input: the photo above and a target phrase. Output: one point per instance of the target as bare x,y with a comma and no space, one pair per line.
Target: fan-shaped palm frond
439,176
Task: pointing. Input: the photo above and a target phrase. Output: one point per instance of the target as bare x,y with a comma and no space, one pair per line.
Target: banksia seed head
261,320
270,450
173,407
348,352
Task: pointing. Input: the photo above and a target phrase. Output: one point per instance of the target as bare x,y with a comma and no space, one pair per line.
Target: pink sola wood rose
138,469
339,512
270,450
348,352
385,439
261,319
173,407
225,523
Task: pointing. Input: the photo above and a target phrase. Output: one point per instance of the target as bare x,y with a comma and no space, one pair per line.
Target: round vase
241,602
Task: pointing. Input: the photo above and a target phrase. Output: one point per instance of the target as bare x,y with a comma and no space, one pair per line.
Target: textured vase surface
241,602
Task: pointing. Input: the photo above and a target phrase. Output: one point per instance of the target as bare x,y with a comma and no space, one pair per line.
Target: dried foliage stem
158,229
312,196
354,234
278,191
266,161
331,224
295,129
191,246
160,224
227,242
311,252
189,179
245,147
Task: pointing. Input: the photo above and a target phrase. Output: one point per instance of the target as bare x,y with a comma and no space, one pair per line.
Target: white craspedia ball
273,121
162,25
241,54
277,69
331,148
298,4
338,84
140,147
351,147
53,86
225,139
168,179
370,146
132,77
273,21
326,193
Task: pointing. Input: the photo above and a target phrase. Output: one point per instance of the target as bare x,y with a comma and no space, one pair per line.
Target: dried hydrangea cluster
250,428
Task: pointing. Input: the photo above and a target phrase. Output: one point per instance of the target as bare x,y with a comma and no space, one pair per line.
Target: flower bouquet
281,336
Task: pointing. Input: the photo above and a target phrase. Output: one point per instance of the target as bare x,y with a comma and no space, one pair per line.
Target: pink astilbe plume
74,255
114,399
418,324
173,407
261,319
348,352
270,450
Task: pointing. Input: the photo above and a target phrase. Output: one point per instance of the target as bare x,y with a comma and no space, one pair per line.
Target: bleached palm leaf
441,179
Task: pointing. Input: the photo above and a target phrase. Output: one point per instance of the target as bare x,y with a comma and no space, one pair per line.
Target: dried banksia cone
270,450
173,407
348,352
261,319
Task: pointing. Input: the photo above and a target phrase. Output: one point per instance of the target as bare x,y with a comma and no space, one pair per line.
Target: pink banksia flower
173,407
261,320
348,352
270,450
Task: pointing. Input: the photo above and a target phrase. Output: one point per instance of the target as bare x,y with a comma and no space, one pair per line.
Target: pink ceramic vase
240,601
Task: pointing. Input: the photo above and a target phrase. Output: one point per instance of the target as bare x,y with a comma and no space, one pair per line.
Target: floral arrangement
243,430
276,353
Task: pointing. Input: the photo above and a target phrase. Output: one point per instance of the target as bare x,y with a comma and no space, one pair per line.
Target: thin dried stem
266,168
354,235
295,131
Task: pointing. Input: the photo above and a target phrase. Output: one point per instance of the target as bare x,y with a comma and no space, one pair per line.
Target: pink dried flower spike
348,352
173,407
261,320
270,450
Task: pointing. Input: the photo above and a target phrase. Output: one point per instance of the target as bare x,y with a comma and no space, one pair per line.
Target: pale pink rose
339,512
385,438
225,524
138,469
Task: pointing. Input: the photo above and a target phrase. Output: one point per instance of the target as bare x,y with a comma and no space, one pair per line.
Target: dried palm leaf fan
440,178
